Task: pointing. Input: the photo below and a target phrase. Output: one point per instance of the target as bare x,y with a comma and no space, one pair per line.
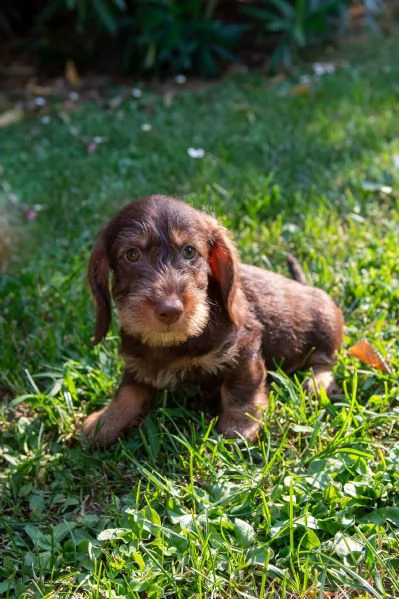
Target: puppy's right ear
98,276
223,262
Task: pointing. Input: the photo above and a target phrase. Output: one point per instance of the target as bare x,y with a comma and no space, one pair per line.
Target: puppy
190,311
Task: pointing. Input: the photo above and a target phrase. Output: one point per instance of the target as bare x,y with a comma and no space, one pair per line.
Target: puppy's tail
296,270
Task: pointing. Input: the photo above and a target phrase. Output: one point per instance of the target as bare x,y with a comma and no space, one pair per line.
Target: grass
172,510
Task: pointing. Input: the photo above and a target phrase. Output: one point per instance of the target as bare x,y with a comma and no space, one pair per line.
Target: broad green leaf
312,540
112,533
40,539
308,521
345,545
245,534
381,515
62,530
139,560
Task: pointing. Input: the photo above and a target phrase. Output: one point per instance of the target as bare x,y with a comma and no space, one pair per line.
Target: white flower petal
196,152
323,68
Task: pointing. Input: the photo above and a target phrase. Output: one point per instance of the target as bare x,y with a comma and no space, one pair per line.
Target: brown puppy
190,311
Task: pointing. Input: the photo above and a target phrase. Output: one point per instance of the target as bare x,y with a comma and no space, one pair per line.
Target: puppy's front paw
100,428
233,427
128,408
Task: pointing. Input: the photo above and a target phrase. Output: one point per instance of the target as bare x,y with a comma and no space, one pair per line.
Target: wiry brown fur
207,319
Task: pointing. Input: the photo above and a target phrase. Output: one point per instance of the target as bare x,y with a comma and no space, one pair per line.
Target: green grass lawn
173,510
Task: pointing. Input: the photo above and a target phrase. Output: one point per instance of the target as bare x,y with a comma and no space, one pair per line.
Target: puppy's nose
168,310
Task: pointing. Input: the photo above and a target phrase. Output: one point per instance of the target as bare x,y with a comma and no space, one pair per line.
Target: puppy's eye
189,252
133,254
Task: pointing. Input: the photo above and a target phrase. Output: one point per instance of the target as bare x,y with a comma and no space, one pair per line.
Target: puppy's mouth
167,322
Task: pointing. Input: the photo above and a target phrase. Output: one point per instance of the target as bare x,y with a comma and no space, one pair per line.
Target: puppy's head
161,253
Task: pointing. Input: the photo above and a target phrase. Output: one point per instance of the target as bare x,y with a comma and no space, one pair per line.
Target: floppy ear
223,261
98,276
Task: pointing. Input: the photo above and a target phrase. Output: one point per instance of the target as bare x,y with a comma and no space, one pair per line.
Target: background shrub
174,36
298,23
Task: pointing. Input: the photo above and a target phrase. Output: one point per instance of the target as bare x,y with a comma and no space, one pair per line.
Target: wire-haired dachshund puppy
190,311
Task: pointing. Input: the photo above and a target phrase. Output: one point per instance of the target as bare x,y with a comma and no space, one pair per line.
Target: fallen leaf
168,98
301,89
365,352
115,102
64,117
279,78
18,70
12,116
357,11
72,75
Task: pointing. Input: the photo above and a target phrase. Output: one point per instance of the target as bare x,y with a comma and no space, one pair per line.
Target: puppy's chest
162,371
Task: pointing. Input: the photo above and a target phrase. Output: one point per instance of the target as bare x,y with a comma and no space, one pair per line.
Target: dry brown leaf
72,75
241,107
12,116
279,78
168,98
17,70
116,101
38,90
301,89
365,352
356,12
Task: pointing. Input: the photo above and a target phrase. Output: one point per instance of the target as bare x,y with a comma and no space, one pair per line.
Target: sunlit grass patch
172,509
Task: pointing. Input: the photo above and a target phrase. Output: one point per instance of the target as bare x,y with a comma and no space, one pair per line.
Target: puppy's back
297,319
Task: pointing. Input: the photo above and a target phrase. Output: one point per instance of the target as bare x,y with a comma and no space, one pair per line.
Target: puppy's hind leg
322,376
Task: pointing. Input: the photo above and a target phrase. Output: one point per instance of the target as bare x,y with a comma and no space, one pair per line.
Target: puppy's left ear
98,276
223,261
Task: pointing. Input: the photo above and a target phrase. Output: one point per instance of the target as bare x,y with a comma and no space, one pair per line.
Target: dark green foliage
166,37
183,36
299,23
105,13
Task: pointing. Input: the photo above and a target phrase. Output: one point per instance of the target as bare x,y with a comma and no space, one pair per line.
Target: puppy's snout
168,310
